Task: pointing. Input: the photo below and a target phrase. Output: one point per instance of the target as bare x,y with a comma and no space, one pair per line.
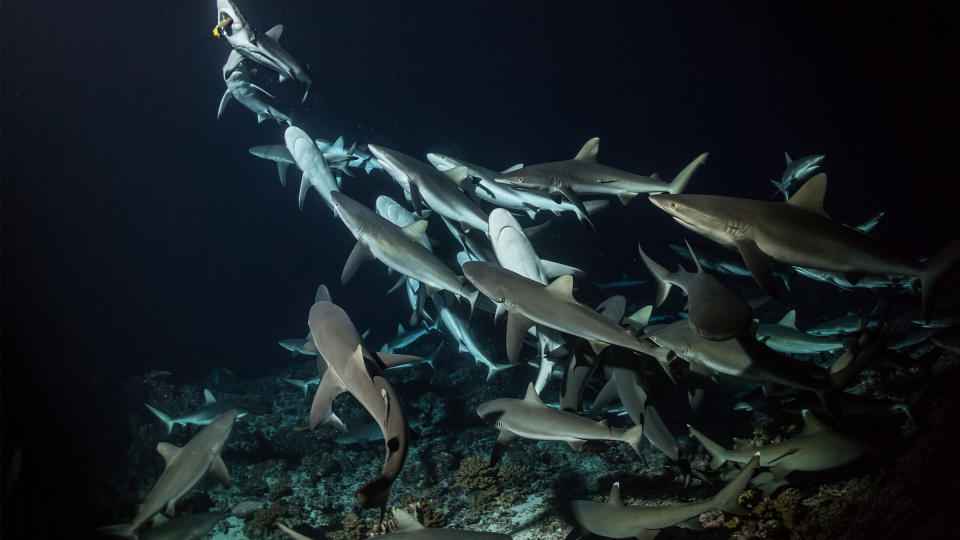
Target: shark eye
519,179
674,205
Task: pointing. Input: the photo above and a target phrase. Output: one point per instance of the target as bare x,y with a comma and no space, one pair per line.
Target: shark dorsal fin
338,144
810,195
323,294
513,167
457,174
811,424
605,423
641,318
790,319
416,230
693,256
208,396
787,157
531,395
562,287
405,521
168,451
275,32
589,151
615,495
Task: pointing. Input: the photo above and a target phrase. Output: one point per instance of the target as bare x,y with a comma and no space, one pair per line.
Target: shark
189,527
818,447
408,528
725,265
316,170
422,183
786,338
799,232
301,384
796,171
369,432
501,195
583,175
613,519
299,346
208,412
529,302
714,312
850,323
263,48
406,338
185,466
459,328
351,368
399,249
869,281
279,154
241,88
531,419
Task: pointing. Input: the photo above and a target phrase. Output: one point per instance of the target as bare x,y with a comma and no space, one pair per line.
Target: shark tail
717,452
660,274
727,499
633,437
683,177
933,271
123,530
167,421
781,188
494,368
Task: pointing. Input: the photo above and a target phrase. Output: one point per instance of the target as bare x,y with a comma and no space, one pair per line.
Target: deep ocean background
139,234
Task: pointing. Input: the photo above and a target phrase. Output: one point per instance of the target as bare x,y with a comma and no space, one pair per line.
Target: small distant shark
459,328
798,232
208,412
368,433
301,384
582,175
406,338
531,419
786,338
263,48
422,183
796,171
185,467
727,266
714,312
241,88
615,520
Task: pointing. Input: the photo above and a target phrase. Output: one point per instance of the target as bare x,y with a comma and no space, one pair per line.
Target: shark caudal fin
727,499
683,177
167,421
717,452
633,437
933,271
494,368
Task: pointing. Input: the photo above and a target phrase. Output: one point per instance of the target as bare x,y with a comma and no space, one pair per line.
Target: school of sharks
616,362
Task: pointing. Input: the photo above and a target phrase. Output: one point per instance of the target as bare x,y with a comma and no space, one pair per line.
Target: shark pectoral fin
400,283
517,326
393,360
571,196
168,451
598,346
224,101
660,274
589,151
500,446
171,509
416,230
625,197
810,195
208,396
358,256
304,188
576,444
219,471
554,269
415,198
607,395
648,534
779,472
321,409
692,524
758,263
282,171
500,313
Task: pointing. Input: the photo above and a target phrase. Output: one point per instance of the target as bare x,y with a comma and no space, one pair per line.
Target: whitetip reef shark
531,419
615,520
206,413
408,528
797,170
